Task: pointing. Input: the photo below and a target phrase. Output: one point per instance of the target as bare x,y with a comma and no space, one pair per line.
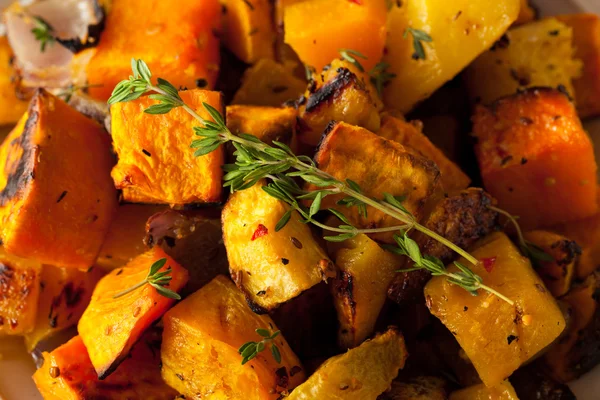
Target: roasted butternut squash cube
361,373
182,49
419,388
586,42
501,391
64,295
316,30
111,325
378,166
19,293
535,158
459,32
340,93
410,134
57,199
496,336
201,338
248,29
359,291
11,107
533,55
156,164
526,13
270,267
558,273
68,374
268,83
125,238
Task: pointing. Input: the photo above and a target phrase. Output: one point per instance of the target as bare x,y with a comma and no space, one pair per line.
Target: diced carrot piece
57,199
535,157
156,164
318,29
11,108
68,374
110,326
181,48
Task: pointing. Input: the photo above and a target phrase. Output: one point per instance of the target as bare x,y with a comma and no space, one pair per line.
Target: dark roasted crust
531,383
75,45
331,90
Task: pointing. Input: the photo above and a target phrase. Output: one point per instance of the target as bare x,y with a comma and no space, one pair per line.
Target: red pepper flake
359,2
488,263
260,232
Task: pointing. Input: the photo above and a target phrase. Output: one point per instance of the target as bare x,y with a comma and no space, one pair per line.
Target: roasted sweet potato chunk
11,107
57,198
183,49
496,336
270,267
156,163
68,374
501,391
19,293
110,326
378,166
362,373
200,348
535,158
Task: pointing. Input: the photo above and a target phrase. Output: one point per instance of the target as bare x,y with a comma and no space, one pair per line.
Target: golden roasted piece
343,93
498,337
558,273
248,29
419,388
110,326
359,290
268,83
156,163
183,48
19,293
361,373
501,391
11,107
410,134
460,30
270,267
57,199
68,374
378,166
64,295
533,55
463,218
201,338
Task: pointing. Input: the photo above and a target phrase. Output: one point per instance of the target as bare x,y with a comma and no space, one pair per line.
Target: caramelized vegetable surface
11,107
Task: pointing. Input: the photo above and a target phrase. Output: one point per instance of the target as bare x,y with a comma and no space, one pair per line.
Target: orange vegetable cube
177,43
110,326
57,199
11,107
156,164
535,158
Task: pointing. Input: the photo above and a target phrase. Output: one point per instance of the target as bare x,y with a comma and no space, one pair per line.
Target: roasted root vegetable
201,338
19,293
419,388
496,336
269,266
459,32
410,134
359,290
586,41
248,29
116,318
57,198
341,92
64,295
535,158
361,373
378,166
184,49
68,374
501,391
11,107
557,273
156,164
314,29
533,55
268,83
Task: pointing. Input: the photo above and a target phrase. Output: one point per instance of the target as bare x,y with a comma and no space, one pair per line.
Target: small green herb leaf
418,36
43,32
351,56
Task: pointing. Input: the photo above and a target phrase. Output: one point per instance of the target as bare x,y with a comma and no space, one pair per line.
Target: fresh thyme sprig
158,280
251,349
418,36
68,92
43,32
352,57
380,76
